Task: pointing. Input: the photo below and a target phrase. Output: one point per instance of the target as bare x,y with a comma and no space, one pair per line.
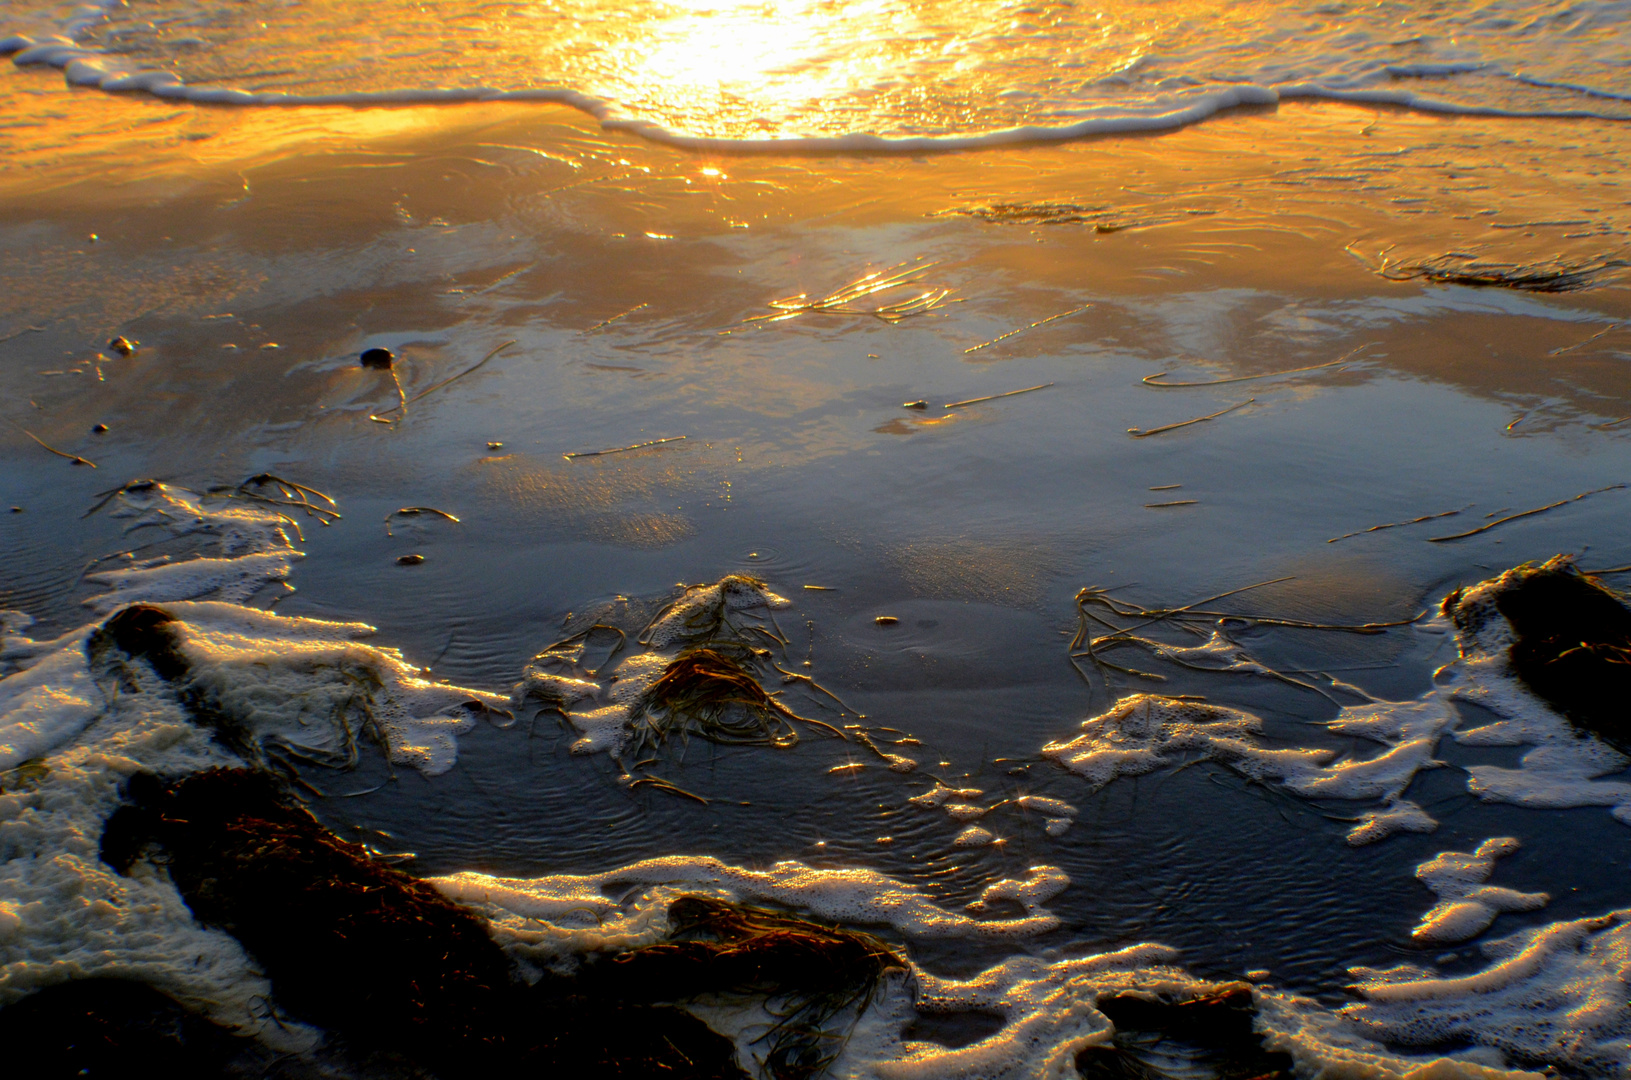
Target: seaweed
622,449
842,301
378,957
75,458
1216,1028
810,974
994,397
1144,433
1524,514
710,692
1460,268
105,1027
1028,326
1573,643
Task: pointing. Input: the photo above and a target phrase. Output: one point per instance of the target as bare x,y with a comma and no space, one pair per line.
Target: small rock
495,446
409,560
16,509
886,620
100,429
378,358
123,346
918,404
271,345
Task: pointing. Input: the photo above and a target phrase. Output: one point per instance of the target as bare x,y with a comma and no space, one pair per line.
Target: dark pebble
100,429
378,358
123,346
409,560
914,405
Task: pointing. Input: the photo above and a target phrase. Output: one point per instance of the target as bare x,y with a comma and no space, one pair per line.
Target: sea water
1405,849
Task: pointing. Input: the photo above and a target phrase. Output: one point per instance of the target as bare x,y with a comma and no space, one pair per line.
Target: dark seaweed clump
813,974
364,950
111,1028
1214,1031
1573,646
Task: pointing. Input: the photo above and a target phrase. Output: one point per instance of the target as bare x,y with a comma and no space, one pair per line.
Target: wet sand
1244,246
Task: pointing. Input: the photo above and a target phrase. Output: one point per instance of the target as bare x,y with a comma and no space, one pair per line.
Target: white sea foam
1553,993
543,918
862,74
73,730
1467,906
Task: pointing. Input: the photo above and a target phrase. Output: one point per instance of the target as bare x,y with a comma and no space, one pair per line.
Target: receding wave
858,74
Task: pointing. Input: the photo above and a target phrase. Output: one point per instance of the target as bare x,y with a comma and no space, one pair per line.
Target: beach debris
821,977
493,445
614,318
1571,641
920,403
1141,433
1028,326
364,950
1466,906
820,588
409,560
99,429
1173,502
896,762
623,449
994,397
1402,524
1166,487
1095,607
1582,344
660,784
377,359
843,300
123,346
75,458
886,620
415,511
1524,514
290,494
1461,268
405,401
710,692
1346,358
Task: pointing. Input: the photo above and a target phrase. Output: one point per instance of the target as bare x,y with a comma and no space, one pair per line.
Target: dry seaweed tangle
1029,326
405,401
414,511
843,301
1141,433
1346,358
994,397
623,449
1402,524
1524,514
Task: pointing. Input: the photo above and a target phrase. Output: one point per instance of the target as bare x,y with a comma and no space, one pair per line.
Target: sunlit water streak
858,72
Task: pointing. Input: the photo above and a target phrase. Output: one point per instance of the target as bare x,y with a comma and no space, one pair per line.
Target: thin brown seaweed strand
1524,514
1140,433
1346,358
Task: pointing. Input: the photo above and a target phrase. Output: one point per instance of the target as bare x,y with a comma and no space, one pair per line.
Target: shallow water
1244,246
